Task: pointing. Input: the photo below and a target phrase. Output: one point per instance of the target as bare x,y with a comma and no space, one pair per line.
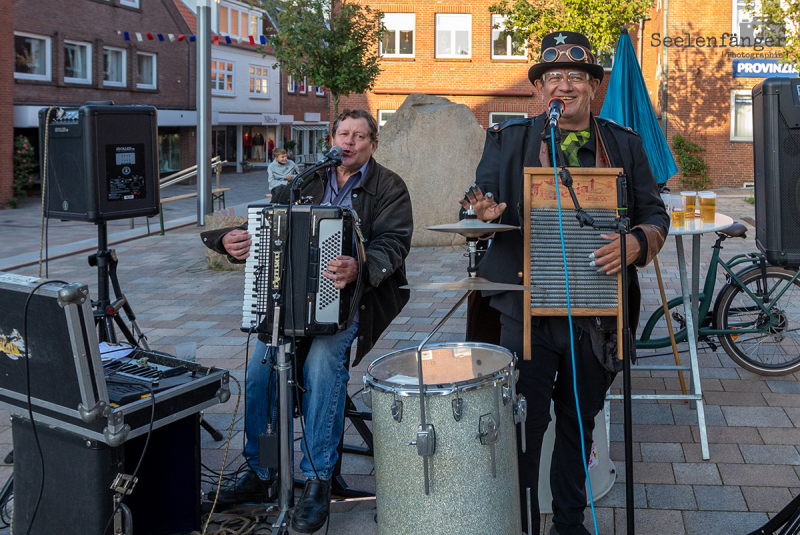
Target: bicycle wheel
775,350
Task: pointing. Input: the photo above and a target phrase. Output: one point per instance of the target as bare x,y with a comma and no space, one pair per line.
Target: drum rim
440,389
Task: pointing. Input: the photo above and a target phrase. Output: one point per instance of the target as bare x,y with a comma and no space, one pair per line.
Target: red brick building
447,49
696,62
82,55
6,107
309,104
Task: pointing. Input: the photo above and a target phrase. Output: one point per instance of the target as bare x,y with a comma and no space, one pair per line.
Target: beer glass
678,208
708,206
691,197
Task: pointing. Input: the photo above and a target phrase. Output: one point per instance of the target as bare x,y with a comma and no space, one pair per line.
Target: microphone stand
284,362
622,226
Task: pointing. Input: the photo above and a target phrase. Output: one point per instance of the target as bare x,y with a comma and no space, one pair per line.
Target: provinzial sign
762,68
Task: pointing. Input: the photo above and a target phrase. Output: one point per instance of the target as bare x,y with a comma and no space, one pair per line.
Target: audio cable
571,335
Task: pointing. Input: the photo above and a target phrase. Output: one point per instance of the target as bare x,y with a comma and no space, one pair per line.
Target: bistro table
695,228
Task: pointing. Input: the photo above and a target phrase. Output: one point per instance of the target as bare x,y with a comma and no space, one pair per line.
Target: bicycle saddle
736,230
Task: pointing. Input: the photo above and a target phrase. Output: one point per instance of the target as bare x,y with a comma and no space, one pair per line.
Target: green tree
333,43
599,20
778,25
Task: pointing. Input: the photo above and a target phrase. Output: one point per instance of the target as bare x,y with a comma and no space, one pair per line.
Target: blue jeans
325,379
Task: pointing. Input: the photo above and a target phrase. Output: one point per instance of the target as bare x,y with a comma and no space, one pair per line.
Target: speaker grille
789,158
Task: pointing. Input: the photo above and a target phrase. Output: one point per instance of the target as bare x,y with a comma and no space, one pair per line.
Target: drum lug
366,397
458,409
489,434
397,410
506,395
520,409
426,441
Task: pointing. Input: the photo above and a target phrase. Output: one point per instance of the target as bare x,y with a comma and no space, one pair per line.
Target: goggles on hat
576,53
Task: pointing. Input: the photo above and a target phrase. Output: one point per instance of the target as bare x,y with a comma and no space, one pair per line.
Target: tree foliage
599,20
778,21
334,44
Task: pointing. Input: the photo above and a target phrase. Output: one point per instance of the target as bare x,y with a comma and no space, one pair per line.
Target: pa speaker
776,151
102,162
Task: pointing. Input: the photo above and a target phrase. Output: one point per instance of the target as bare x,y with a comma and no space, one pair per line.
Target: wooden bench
217,194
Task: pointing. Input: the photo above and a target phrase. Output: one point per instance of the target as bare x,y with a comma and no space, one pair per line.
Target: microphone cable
571,335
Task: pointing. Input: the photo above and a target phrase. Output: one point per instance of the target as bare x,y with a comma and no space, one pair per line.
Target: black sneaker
312,509
248,488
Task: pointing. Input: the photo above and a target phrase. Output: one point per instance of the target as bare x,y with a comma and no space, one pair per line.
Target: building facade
6,108
700,62
309,106
63,61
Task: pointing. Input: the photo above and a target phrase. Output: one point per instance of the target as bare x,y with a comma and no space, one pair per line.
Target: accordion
288,295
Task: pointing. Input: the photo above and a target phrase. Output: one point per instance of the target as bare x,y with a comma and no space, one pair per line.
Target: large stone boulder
435,146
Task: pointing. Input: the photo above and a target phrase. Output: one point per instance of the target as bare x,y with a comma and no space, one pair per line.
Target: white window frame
109,83
224,72
500,19
394,22
492,122
88,79
290,84
258,77
462,16
239,9
382,121
154,85
303,89
47,76
320,90
734,94
129,3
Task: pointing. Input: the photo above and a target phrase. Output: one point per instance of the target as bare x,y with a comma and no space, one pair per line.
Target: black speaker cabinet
77,498
102,162
776,151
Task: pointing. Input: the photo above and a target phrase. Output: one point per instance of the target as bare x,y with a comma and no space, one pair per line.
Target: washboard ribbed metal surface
588,288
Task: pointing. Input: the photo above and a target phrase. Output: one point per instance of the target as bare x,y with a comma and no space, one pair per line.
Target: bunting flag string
178,38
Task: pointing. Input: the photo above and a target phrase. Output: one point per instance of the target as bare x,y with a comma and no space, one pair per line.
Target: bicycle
755,315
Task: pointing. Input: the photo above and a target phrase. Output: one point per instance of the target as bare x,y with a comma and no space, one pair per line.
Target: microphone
335,154
555,109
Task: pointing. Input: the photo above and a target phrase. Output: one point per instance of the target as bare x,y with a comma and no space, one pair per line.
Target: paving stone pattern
754,421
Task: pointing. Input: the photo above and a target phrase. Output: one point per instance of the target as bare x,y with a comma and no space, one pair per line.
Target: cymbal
472,228
470,283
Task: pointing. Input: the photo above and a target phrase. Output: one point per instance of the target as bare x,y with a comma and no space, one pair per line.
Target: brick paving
753,421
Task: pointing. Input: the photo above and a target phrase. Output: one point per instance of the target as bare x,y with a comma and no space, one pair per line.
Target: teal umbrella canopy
628,103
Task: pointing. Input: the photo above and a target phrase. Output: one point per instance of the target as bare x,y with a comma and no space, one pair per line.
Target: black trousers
548,376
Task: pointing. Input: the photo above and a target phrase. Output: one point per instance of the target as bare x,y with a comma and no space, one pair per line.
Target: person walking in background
281,170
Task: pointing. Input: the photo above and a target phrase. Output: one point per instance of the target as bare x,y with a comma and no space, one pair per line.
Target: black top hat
563,42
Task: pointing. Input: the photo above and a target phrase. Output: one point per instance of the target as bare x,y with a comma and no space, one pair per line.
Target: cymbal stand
285,478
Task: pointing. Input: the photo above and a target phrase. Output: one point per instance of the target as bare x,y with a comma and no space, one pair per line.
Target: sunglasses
575,53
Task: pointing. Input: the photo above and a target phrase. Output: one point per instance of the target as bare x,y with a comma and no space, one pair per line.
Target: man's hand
237,243
607,257
485,207
341,271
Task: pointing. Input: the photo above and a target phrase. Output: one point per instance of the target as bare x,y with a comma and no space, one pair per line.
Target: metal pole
203,111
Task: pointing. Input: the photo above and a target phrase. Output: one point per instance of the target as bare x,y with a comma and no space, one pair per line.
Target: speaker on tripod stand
776,153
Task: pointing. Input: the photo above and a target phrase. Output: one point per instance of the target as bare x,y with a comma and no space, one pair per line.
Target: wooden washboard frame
595,188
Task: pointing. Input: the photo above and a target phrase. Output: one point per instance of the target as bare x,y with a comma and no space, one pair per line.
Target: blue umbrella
628,103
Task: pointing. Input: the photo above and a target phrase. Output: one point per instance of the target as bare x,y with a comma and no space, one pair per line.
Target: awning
320,127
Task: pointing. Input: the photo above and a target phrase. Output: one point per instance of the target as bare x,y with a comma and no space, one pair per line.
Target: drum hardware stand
106,313
622,227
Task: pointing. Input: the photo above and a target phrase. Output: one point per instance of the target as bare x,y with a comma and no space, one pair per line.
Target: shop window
169,146
497,117
741,115
398,41
31,57
77,62
453,36
505,47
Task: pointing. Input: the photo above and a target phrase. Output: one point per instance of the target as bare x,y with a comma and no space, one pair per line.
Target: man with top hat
566,70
